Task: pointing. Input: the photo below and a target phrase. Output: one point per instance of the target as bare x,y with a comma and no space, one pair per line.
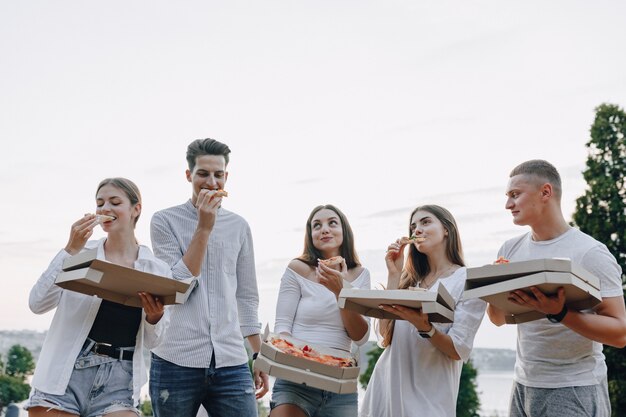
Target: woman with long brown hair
418,373
307,310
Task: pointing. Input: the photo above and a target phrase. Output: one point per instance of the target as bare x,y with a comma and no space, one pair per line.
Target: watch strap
428,334
557,318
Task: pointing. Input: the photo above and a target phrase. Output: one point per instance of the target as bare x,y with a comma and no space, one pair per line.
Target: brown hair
543,171
206,146
310,254
416,267
127,186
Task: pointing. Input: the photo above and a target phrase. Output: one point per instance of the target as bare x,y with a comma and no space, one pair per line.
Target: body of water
494,390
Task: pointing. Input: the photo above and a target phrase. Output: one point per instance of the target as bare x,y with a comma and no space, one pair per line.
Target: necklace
423,283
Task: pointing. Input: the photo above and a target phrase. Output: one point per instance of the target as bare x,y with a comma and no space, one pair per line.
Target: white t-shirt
308,311
412,377
550,355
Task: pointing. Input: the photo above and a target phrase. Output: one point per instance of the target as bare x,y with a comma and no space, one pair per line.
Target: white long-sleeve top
413,378
308,311
73,319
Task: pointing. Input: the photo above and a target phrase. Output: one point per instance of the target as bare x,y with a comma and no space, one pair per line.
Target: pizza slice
330,262
103,218
501,261
412,239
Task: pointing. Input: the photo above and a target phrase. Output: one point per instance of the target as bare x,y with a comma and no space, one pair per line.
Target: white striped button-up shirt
223,308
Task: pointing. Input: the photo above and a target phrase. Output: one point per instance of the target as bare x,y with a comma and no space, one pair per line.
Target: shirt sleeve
601,263
247,289
365,284
287,304
468,314
45,295
166,247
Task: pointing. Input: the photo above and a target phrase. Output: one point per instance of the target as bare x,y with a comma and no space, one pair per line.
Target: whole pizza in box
308,352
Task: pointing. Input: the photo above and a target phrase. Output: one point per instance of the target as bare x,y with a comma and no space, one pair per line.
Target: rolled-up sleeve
468,315
247,290
167,248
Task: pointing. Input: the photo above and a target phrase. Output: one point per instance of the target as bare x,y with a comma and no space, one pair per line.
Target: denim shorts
99,385
314,402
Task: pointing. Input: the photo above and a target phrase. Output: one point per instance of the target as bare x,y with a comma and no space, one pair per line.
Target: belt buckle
97,345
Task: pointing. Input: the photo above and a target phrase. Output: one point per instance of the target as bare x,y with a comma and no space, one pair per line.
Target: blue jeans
178,391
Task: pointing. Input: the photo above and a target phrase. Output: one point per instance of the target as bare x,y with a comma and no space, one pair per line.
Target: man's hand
261,383
207,205
546,304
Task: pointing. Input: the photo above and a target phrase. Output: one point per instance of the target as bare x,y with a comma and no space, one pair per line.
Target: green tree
601,213
146,408
12,390
19,362
467,404
373,354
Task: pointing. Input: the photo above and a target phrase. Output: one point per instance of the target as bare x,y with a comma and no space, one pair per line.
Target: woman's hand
412,315
152,306
331,278
394,257
80,233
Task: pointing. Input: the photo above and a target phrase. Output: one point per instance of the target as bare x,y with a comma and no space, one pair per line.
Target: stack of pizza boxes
301,370
439,304
493,283
85,274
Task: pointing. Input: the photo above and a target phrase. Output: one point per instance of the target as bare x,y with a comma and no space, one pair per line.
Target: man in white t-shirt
560,369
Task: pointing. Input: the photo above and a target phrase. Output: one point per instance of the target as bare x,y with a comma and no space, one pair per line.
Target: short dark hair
310,254
206,146
127,186
543,171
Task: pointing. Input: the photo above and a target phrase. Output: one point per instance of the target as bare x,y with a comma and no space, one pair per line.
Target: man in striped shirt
202,359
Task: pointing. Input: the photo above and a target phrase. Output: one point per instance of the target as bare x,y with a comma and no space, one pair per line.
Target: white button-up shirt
223,308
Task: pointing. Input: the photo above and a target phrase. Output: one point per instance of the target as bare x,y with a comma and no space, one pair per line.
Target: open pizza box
85,274
493,283
439,305
301,370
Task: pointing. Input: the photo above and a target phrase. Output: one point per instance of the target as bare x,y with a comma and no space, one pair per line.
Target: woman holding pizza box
307,310
91,362
418,373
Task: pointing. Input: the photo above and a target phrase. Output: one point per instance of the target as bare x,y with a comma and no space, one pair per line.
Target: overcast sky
373,106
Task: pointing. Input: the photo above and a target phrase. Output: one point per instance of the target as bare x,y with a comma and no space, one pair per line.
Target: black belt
115,352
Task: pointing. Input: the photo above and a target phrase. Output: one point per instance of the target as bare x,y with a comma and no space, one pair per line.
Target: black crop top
116,324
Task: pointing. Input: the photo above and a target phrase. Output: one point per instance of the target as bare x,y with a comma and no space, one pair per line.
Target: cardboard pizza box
271,352
305,377
119,284
491,274
439,304
493,283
